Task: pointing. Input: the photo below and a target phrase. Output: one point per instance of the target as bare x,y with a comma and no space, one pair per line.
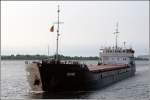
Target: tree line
62,57
40,57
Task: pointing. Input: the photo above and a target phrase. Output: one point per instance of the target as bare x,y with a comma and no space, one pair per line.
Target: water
14,85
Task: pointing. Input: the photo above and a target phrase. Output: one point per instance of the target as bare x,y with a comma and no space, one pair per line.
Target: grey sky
88,26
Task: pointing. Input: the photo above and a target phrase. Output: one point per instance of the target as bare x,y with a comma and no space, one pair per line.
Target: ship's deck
94,68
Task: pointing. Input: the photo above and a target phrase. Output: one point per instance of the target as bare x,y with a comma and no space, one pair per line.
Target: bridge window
124,58
117,58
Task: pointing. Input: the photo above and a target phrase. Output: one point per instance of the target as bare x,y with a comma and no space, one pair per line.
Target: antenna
48,50
116,33
124,44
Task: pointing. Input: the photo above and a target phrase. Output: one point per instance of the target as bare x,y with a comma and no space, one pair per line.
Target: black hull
68,77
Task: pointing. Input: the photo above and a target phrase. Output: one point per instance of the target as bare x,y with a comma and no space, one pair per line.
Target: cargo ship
114,64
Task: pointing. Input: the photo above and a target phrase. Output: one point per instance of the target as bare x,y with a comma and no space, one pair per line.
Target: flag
52,29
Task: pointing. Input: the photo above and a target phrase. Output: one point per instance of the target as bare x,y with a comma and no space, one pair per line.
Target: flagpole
48,51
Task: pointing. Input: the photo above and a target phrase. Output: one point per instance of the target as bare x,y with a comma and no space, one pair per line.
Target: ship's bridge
111,55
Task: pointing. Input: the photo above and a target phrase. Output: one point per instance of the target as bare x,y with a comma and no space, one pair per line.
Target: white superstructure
110,55
117,55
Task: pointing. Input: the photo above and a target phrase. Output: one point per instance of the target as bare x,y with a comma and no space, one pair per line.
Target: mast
57,39
116,33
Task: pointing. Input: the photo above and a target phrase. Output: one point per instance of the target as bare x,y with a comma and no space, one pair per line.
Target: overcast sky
88,26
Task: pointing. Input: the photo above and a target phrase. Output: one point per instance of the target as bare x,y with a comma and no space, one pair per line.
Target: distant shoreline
40,57
69,59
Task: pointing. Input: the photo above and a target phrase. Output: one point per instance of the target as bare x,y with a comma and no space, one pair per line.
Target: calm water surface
14,85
